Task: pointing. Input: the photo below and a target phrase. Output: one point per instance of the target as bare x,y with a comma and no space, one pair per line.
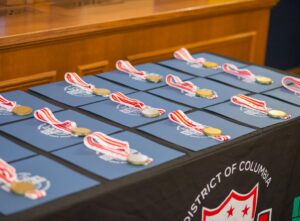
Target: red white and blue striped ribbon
74,79
240,73
107,145
295,87
45,115
184,55
7,104
179,117
120,98
249,102
127,67
8,175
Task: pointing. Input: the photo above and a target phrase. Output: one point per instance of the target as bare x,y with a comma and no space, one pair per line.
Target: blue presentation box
187,138
75,96
110,168
254,118
48,138
140,84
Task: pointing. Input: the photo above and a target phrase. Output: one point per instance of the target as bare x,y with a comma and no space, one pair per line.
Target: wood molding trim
93,68
23,83
198,46
295,70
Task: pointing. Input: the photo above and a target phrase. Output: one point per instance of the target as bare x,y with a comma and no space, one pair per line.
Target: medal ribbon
249,102
240,73
120,98
107,145
176,82
74,79
45,115
125,66
7,104
8,175
184,55
294,88
180,118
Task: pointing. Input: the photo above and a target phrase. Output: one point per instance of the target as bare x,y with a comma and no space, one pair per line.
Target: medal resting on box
8,176
258,105
246,74
184,55
189,87
73,79
180,118
115,148
69,127
11,106
146,111
126,67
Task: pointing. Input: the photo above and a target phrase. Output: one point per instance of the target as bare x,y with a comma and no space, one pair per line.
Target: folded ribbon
296,81
184,55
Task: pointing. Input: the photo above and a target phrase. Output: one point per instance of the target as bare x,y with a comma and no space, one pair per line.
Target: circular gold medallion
101,92
22,110
154,78
204,93
209,64
21,188
211,131
150,112
81,131
137,159
263,80
277,114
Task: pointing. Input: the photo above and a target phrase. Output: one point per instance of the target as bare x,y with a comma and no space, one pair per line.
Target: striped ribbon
107,145
184,55
179,117
176,82
8,175
7,104
74,79
240,73
45,115
126,67
120,98
289,79
249,102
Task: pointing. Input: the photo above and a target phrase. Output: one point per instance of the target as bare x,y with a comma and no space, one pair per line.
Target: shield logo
236,207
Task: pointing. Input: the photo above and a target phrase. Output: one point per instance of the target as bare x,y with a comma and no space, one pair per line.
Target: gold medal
21,188
204,93
209,64
101,92
277,114
211,131
81,131
263,80
137,159
154,78
22,110
150,112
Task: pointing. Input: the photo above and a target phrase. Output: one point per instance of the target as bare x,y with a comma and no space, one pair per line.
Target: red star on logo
230,212
245,210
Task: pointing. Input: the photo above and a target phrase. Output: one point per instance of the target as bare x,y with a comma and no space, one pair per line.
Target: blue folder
142,85
26,99
10,151
252,118
111,168
198,70
44,136
62,181
252,86
224,93
176,134
74,96
129,116
285,95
